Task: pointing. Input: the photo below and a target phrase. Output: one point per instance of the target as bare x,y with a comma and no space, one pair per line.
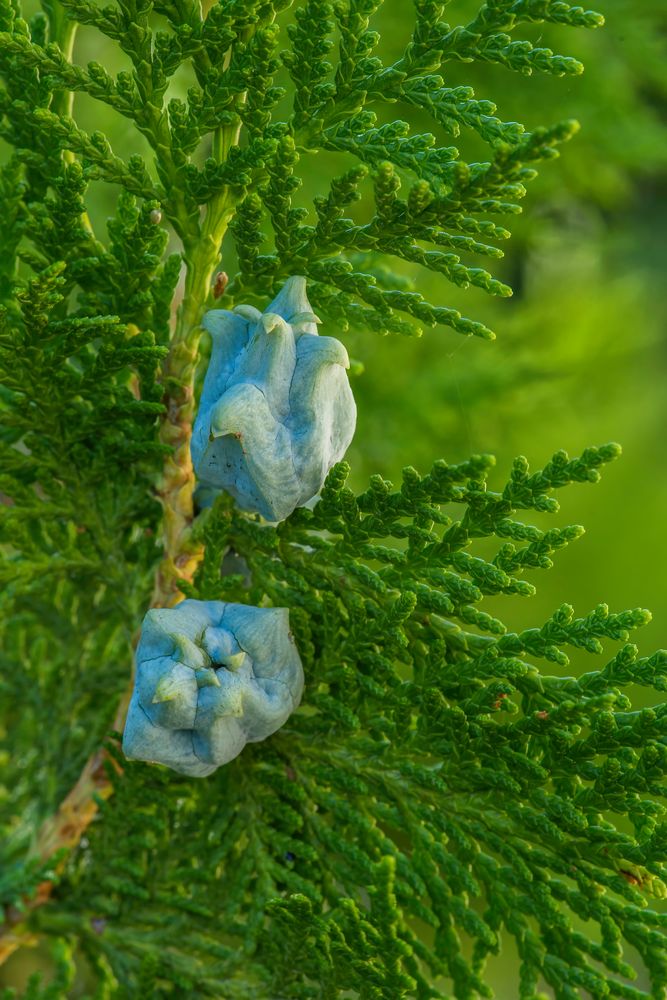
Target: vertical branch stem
62,31
201,252
181,556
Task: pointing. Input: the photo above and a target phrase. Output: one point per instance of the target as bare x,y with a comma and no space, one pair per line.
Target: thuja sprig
255,143
440,776
438,772
235,52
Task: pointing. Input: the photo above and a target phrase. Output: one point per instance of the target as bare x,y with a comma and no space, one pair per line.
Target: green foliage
338,105
445,785
78,402
618,100
440,789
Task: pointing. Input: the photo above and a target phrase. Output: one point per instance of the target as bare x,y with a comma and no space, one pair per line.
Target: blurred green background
581,354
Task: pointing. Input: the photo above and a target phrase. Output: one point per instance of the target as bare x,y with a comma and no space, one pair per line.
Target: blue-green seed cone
210,678
276,410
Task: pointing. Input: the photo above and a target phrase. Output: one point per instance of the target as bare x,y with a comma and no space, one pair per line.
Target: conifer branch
377,805
180,556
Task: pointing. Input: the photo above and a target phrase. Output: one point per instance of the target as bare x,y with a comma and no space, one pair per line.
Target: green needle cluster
448,784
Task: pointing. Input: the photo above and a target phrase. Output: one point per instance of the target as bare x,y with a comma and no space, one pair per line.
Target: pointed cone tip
220,321
291,299
163,692
247,312
273,323
235,661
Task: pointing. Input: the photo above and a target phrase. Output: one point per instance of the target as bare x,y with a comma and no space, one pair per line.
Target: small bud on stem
220,284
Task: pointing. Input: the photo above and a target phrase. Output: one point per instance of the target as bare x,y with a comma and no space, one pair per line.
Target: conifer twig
442,774
63,831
